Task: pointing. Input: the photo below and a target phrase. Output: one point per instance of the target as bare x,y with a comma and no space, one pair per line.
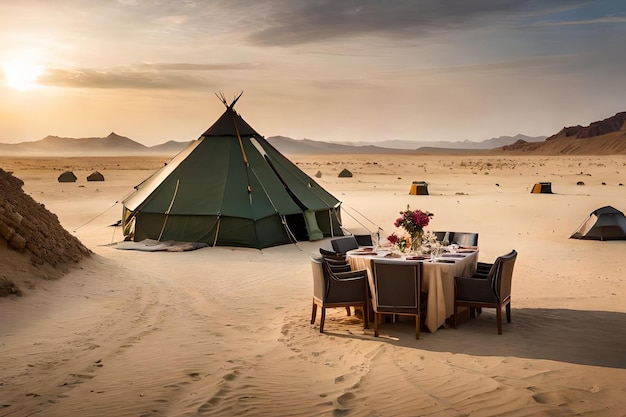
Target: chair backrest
464,238
364,240
344,244
332,255
501,274
441,236
396,286
337,265
319,284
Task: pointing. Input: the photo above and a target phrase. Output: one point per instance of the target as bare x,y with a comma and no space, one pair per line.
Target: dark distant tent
542,188
67,176
345,174
318,174
95,176
605,223
230,187
419,188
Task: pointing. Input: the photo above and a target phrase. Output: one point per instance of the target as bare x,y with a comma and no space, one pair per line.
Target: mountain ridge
117,145
603,137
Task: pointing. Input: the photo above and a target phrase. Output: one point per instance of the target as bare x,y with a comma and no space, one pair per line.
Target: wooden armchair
338,289
342,245
397,290
464,238
491,291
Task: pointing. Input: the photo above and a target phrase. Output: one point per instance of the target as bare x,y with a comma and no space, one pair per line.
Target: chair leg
366,319
499,318
322,319
348,311
313,312
508,312
376,318
456,313
417,327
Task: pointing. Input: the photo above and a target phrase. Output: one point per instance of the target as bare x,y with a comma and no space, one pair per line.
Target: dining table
437,281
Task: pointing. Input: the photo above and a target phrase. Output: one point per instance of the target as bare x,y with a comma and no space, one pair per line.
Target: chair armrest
484,265
473,289
346,287
351,275
336,269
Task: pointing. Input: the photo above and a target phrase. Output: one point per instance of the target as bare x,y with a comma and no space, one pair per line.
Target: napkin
417,258
452,255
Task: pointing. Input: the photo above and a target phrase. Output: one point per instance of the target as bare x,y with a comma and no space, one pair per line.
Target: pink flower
392,238
413,221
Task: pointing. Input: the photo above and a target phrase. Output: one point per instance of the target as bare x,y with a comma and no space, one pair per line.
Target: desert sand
226,331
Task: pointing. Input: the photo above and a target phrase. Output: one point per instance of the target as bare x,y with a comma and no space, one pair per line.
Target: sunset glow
21,75
357,71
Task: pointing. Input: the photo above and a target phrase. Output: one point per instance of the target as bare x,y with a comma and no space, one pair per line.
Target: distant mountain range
117,145
605,137
465,144
111,145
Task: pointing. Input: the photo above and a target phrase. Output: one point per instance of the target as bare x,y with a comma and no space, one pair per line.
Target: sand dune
224,331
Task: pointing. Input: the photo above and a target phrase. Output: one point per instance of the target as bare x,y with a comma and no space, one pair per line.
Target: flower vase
416,242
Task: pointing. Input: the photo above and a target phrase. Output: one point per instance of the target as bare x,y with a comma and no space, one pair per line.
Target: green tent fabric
230,187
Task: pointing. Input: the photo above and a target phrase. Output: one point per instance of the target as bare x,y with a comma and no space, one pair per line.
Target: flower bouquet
413,222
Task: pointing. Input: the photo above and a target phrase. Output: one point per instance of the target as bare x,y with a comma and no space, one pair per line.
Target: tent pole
243,152
217,230
167,213
282,217
289,232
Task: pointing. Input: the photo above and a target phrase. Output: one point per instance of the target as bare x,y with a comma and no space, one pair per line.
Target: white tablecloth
437,281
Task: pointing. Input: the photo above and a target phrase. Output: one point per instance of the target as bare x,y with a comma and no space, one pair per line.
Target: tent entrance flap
312,228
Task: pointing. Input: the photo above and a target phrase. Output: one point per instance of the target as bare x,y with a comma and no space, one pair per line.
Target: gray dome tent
605,223
95,176
345,174
67,176
230,187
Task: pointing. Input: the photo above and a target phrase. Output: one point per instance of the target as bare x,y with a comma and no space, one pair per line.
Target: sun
21,75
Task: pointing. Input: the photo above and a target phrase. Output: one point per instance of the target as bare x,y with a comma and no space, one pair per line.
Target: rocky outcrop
28,229
602,127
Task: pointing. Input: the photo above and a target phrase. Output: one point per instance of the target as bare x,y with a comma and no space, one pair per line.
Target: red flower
392,238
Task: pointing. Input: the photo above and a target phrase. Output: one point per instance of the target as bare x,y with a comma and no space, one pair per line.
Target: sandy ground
224,331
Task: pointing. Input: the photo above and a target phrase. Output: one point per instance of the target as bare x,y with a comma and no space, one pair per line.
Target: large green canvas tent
230,187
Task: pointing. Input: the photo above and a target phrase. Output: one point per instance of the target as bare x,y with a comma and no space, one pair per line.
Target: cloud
173,75
120,79
199,67
299,22
598,21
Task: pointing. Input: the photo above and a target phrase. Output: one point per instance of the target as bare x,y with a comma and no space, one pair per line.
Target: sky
328,70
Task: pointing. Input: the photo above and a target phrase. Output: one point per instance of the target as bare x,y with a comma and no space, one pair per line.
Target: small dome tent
345,174
605,223
67,176
542,188
419,188
95,176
